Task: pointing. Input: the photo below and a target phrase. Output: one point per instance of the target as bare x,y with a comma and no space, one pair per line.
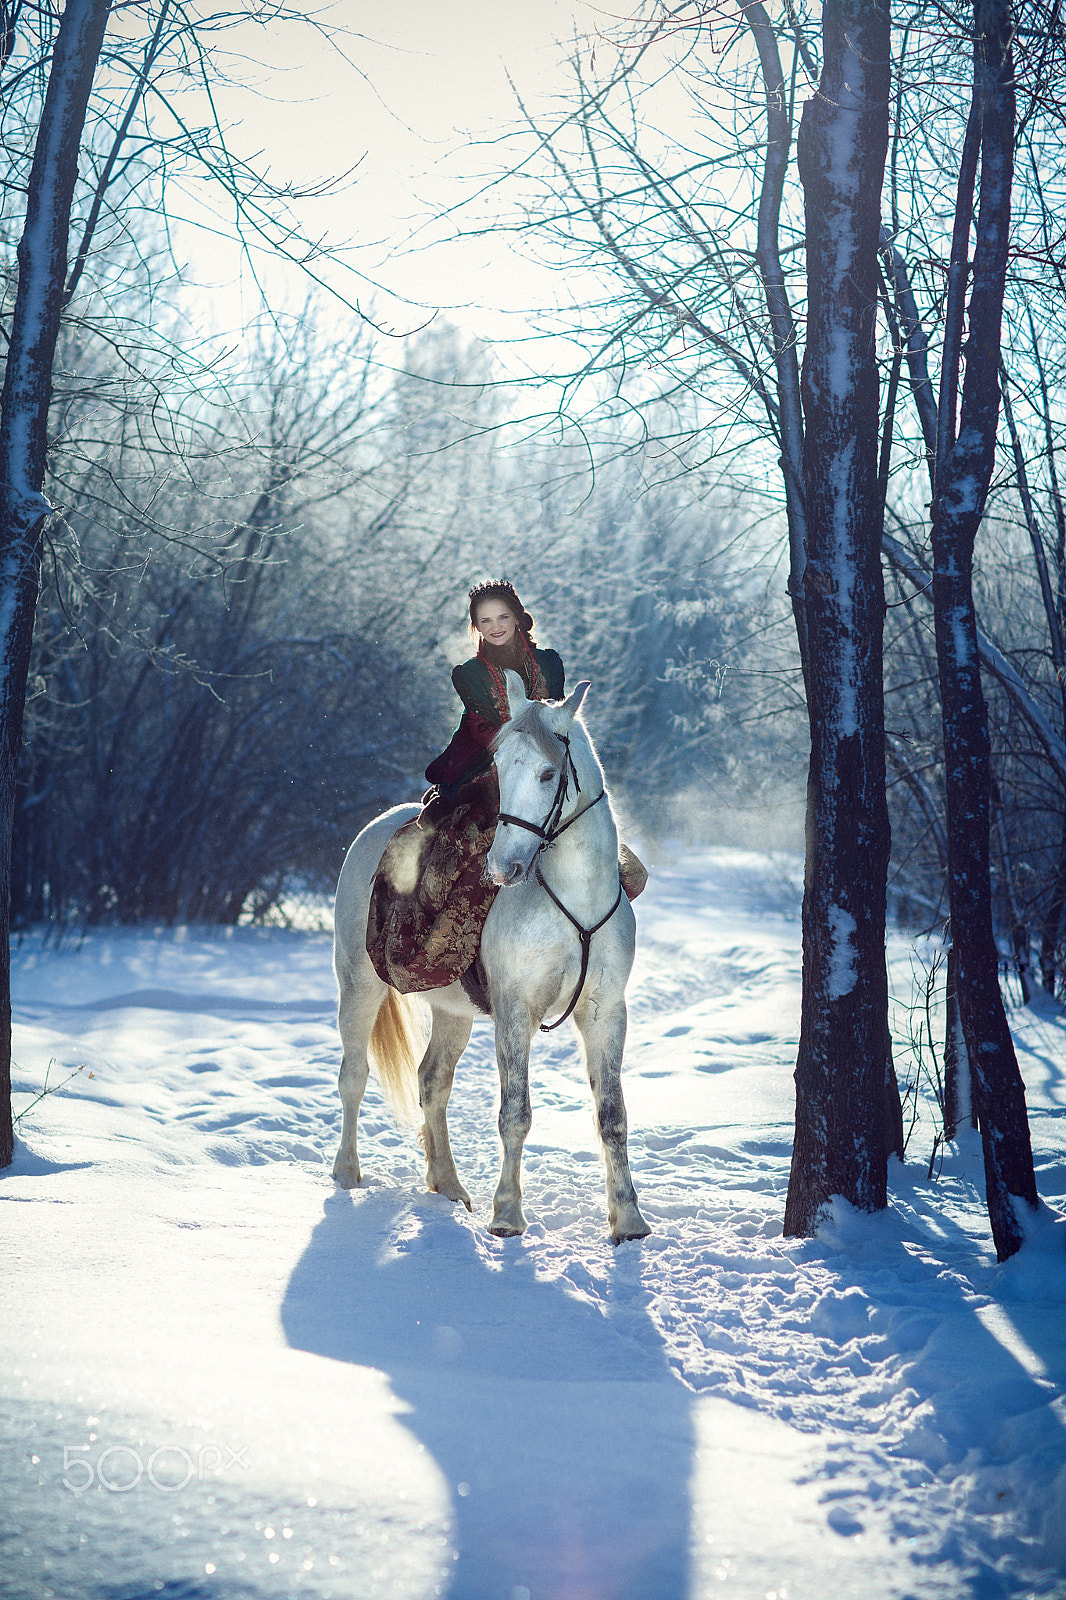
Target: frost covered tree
840,1144
706,285
673,175
965,458
958,428
74,86
27,393
210,723
216,702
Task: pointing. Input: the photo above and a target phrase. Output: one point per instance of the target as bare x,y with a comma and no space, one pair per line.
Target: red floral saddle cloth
431,894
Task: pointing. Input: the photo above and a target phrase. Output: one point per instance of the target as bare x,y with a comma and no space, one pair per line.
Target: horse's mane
531,720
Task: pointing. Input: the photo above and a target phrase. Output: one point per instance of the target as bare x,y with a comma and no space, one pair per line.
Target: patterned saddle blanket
431,894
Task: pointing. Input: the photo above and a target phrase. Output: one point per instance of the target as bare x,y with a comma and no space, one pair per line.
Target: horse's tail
396,1045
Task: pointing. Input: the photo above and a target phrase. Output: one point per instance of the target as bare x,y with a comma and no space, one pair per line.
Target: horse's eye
547,775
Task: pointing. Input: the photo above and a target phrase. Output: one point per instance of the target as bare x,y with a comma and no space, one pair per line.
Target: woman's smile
495,622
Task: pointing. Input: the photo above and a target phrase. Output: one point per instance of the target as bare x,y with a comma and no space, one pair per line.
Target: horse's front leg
514,1031
603,1033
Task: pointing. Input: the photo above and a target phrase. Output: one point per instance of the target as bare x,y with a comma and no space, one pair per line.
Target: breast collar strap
585,935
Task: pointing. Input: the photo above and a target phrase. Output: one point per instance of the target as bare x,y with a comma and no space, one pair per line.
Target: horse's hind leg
603,1033
447,1042
361,997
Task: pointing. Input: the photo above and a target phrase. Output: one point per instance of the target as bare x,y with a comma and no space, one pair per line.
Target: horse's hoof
452,1191
508,1221
348,1177
632,1226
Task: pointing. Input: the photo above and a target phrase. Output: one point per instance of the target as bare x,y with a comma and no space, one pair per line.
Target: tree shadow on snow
26,1163
567,1448
979,1348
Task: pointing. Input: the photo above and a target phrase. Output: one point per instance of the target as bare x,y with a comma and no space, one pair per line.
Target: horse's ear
562,716
516,692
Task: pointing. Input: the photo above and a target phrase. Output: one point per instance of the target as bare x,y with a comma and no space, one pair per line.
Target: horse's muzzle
511,872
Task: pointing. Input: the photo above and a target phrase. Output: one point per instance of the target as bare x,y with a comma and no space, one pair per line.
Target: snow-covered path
316,1393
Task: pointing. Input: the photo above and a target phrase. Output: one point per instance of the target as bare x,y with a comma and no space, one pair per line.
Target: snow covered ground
222,1377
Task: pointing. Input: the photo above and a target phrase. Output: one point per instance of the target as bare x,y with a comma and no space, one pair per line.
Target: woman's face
495,622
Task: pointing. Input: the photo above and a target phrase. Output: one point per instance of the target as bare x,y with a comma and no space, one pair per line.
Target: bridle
548,831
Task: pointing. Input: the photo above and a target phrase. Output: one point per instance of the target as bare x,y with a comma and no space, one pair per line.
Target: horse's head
536,777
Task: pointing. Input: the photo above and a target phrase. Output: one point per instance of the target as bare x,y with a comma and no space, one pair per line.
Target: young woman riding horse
432,894
557,939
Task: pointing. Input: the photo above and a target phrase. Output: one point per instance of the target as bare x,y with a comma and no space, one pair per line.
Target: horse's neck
585,854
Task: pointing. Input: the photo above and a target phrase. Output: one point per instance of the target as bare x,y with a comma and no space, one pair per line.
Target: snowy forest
777,462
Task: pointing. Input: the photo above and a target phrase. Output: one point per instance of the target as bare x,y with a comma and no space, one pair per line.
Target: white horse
559,938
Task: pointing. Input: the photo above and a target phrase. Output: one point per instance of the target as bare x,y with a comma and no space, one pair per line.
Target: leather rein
548,832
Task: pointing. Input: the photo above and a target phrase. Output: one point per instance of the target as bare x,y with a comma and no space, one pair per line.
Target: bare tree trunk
1019,930
1051,921
993,661
958,1105
779,311
1052,918
27,392
895,1144
841,1068
964,469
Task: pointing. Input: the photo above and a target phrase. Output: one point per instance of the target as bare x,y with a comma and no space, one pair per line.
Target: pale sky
428,78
